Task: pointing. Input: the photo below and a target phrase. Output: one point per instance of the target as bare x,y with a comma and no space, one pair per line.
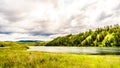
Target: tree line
108,36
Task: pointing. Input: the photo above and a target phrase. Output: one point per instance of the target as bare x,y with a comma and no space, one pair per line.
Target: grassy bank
23,59
14,55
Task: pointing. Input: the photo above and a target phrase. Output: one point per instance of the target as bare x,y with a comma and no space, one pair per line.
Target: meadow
20,58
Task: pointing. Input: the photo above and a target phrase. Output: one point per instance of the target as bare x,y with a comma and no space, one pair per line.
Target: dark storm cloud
103,16
40,34
5,32
10,15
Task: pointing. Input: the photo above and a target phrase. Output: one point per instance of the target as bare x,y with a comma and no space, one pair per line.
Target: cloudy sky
47,19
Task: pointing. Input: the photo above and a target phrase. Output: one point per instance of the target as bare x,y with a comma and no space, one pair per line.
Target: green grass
16,56
10,58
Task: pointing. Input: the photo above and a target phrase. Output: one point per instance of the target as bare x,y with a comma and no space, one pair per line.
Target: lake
78,50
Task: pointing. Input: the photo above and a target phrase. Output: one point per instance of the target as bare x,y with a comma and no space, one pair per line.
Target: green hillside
108,36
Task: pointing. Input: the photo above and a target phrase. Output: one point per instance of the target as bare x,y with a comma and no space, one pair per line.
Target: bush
1,45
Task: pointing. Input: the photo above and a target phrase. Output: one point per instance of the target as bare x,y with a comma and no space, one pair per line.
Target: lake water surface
79,50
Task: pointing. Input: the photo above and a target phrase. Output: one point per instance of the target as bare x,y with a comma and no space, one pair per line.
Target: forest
108,36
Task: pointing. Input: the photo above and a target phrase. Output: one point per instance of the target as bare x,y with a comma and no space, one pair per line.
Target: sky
48,19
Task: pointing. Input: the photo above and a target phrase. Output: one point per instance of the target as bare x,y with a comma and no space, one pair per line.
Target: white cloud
47,19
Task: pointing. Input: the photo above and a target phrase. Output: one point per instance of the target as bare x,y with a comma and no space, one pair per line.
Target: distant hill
108,36
29,41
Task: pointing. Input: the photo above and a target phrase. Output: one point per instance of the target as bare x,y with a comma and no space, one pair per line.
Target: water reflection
78,50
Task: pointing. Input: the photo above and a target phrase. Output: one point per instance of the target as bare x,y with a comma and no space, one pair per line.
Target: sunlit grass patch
24,59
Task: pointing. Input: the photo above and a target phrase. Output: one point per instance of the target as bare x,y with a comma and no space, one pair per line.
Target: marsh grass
24,59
